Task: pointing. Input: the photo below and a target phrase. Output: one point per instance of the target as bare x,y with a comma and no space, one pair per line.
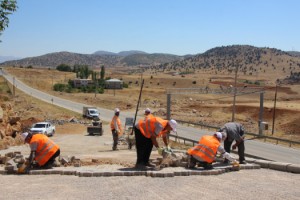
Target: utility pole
141,81
274,109
234,93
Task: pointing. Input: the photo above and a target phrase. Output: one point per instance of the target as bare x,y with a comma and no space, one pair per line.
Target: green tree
102,72
64,68
7,7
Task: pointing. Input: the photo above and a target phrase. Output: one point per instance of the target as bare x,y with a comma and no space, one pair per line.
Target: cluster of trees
82,72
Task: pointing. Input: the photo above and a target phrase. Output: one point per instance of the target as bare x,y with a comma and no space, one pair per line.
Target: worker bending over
146,131
235,131
43,151
204,153
116,128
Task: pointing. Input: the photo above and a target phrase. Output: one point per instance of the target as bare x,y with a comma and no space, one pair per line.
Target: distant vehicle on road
45,128
90,112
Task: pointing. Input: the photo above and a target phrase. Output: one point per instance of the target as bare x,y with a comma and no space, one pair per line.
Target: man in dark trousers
235,131
146,131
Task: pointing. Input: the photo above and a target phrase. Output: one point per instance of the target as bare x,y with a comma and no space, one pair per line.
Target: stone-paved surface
244,184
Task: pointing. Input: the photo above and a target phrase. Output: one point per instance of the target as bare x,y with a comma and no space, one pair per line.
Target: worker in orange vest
204,153
43,151
146,131
116,128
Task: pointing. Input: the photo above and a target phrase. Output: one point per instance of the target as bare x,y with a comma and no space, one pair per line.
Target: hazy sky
177,27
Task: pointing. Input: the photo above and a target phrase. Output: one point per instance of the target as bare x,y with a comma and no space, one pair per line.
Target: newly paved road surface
260,184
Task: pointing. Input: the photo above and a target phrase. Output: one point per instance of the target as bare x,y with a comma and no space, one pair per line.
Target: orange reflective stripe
46,148
152,126
206,149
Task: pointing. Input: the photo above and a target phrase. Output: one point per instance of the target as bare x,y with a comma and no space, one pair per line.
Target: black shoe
140,167
115,149
243,162
208,167
191,164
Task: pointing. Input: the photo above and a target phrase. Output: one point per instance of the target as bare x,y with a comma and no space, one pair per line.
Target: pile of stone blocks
12,161
70,161
171,159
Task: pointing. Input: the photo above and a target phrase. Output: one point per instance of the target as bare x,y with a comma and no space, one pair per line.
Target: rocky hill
99,58
248,59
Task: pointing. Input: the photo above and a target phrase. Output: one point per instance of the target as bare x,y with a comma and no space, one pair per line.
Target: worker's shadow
97,135
130,169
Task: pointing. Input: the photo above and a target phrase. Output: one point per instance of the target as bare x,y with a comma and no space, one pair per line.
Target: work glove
160,150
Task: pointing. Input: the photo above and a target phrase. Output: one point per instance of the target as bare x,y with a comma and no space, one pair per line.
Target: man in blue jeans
235,131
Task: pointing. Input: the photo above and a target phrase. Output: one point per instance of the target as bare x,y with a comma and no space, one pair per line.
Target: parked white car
45,128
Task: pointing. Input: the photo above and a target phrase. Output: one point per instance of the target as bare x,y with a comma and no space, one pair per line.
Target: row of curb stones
158,174
280,166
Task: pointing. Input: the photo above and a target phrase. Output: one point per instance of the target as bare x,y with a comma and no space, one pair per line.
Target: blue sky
177,27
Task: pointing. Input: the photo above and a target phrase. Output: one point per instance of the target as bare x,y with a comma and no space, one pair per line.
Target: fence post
168,106
261,111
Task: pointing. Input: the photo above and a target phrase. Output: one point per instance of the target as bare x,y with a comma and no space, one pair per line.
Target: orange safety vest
152,126
206,149
149,116
44,148
116,124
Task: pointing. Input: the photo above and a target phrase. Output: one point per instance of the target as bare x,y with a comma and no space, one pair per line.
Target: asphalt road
259,149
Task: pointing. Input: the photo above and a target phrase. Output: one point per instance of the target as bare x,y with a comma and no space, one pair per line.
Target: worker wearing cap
146,131
206,150
116,128
43,150
235,131
148,113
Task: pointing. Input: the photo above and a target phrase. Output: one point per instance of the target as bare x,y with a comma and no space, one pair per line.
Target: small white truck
90,112
45,128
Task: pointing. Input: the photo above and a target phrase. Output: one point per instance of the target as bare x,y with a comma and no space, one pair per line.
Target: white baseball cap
147,110
24,135
173,124
218,135
117,110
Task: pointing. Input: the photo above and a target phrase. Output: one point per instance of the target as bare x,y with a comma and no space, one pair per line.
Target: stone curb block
68,172
154,174
253,166
294,168
278,166
263,163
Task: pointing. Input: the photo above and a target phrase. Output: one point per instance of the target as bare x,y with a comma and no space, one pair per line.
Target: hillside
149,59
248,59
52,60
96,60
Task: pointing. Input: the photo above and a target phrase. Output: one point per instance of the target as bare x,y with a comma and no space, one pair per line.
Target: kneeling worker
43,150
206,150
146,131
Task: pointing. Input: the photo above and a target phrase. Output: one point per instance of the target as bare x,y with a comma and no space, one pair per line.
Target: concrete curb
280,166
154,174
